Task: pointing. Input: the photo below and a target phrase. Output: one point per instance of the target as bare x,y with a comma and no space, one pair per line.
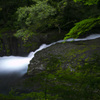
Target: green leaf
82,27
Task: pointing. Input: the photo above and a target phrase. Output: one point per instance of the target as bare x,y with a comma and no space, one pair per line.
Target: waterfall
17,64
12,68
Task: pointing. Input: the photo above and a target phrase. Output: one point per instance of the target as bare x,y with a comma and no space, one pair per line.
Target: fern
82,26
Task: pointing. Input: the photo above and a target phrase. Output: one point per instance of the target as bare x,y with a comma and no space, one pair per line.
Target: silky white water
19,65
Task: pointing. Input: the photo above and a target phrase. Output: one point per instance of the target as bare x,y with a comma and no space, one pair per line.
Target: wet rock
69,53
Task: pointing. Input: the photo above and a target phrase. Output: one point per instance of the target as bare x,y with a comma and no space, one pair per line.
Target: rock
70,54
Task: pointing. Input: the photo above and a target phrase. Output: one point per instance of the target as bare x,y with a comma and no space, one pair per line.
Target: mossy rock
69,53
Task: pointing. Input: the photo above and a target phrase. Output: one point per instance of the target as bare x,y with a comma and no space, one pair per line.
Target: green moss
8,51
53,61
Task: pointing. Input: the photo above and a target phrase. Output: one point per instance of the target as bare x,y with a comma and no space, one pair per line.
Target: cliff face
10,45
70,54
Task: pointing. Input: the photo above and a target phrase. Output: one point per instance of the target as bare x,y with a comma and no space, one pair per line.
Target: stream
12,68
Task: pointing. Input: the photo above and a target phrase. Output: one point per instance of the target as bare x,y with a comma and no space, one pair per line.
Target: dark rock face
10,45
70,54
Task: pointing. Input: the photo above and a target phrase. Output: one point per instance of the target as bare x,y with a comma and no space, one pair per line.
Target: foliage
35,13
24,34
86,24
34,17
40,16
82,27
29,96
45,14
88,2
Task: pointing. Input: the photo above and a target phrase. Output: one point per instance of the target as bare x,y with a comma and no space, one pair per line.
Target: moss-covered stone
69,53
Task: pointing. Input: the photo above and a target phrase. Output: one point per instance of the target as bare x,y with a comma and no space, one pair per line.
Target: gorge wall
10,45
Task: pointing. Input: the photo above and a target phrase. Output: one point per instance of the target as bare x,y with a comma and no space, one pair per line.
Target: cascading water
15,66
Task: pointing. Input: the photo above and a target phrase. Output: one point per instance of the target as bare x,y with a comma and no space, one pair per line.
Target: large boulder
70,54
